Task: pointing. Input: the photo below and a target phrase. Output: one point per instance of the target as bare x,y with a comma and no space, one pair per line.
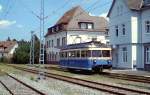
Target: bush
5,60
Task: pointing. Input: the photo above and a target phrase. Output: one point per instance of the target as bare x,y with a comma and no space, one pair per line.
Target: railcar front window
106,53
96,53
61,54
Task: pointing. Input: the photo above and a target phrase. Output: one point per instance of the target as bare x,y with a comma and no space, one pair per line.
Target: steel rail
96,84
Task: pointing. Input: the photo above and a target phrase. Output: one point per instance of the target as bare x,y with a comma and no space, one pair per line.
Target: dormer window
83,25
57,28
86,25
90,25
53,30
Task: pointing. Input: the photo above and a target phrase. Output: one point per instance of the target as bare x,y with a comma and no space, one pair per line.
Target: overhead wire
7,9
28,9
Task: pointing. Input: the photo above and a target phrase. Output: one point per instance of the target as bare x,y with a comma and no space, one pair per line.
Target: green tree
22,53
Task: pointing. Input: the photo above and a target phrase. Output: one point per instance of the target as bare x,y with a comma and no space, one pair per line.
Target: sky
19,17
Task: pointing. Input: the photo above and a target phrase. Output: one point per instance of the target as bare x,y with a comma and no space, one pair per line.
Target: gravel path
56,87
3,90
16,87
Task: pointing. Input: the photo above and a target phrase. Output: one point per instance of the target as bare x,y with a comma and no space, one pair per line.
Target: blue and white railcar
86,56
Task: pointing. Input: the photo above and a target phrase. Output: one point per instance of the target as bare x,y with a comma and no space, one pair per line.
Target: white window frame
147,55
147,23
116,30
124,55
83,26
123,29
89,25
58,42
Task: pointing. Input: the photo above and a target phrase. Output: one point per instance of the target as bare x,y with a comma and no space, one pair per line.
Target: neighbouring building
129,30
7,48
75,26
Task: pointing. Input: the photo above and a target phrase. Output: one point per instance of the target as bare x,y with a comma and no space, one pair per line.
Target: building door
147,55
147,58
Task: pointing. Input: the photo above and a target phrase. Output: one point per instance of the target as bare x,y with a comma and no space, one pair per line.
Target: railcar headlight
94,61
108,61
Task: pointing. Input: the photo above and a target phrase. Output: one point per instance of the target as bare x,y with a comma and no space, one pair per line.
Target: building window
86,25
147,26
148,55
53,29
58,42
83,25
47,44
123,29
63,41
117,30
52,43
124,54
90,26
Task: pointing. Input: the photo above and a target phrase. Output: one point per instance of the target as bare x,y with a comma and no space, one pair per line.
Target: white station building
129,30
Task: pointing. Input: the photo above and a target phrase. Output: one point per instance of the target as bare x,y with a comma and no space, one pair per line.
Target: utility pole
32,48
42,22
42,46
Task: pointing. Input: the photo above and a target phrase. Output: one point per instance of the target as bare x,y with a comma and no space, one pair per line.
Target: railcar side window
61,54
72,53
96,53
82,53
69,54
78,53
106,53
86,53
65,54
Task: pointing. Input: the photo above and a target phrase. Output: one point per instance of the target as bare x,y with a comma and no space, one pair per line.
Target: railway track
134,78
90,84
17,87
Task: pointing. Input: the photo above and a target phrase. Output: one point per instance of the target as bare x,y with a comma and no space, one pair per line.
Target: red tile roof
69,21
6,46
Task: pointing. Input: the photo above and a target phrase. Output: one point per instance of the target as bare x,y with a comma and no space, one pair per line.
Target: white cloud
6,23
91,14
104,15
1,8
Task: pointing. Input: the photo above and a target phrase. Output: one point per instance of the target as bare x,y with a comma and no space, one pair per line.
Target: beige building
75,26
7,48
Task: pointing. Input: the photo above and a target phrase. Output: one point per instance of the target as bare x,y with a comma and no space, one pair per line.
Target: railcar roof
92,44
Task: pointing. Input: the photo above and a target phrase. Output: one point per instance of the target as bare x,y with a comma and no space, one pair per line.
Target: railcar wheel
71,70
101,69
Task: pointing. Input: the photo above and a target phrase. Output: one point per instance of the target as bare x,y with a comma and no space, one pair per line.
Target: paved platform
132,72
